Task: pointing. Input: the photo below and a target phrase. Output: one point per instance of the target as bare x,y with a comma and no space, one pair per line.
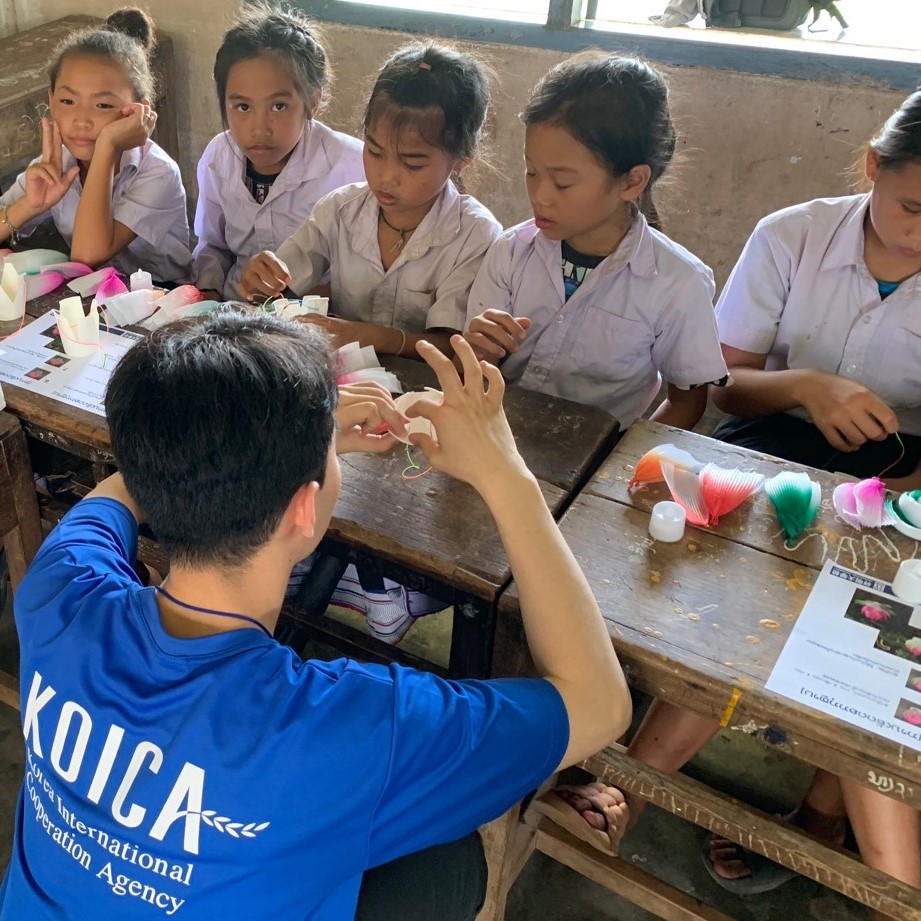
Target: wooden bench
700,624
24,88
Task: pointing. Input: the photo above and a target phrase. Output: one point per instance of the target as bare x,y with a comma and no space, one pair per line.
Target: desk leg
472,638
22,543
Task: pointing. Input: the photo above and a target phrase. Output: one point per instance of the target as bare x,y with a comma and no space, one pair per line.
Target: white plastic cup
907,582
667,522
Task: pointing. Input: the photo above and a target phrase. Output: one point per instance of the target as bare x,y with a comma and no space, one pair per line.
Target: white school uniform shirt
148,197
646,309
801,294
231,226
427,285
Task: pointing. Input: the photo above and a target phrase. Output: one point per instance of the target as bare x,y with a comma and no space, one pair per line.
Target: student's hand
845,412
367,417
265,275
46,183
494,334
475,443
132,129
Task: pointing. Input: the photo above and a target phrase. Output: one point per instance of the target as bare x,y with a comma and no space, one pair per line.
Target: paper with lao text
855,654
34,359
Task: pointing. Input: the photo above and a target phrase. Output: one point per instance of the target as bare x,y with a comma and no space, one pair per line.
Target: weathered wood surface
20,524
560,441
700,623
433,525
754,523
757,831
24,86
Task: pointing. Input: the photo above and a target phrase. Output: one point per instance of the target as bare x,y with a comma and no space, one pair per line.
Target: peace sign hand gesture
46,183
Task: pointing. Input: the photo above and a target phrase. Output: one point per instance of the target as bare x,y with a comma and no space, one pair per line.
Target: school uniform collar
636,250
438,228
846,246
309,157
128,165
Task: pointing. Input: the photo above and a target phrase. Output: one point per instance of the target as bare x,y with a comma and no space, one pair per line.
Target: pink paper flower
912,715
874,612
913,646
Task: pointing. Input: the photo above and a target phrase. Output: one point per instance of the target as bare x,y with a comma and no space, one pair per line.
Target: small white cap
140,279
667,522
907,582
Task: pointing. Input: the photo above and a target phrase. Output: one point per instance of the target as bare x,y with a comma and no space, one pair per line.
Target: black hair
616,107
440,92
127,38
264,28
216,422
899,140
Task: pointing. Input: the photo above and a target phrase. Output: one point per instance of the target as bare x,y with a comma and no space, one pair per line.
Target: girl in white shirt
589,300
112,193
403,247
821,332
259,180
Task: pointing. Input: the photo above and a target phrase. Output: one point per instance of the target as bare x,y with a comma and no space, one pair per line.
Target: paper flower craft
12,295
906,513
289,308
796,499
79,331
706,492
863,504
649,467
418,424
357,364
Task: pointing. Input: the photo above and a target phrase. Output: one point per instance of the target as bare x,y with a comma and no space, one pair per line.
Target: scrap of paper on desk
357,364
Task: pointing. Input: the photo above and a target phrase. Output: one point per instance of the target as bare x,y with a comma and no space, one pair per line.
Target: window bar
565,14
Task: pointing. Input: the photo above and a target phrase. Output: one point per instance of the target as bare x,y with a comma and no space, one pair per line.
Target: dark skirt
799,441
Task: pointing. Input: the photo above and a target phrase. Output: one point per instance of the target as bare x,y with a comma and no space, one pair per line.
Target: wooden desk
24,59
432,533
701,623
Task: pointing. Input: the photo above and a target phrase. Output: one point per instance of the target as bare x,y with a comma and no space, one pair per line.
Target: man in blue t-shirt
180,761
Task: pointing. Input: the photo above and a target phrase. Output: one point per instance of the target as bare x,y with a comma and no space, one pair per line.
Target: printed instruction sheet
34,359
855,653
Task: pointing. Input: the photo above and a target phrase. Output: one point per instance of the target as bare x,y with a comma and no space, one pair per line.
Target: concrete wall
749,144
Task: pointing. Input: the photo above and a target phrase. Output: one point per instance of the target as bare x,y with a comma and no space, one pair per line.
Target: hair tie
424,65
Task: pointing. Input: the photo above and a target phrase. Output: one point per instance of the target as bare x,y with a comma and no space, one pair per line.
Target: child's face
89,94
265,112
895,209
574,198
405,173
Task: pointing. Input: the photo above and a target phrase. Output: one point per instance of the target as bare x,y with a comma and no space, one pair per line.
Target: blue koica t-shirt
222,777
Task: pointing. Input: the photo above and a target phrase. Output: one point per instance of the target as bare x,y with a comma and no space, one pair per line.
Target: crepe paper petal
684,485
796,499
180,297
38,285
31,260
12,307
110,287
726,489
68,269
863,504
909,507
417,424
901,522
379,375
87,285
649,467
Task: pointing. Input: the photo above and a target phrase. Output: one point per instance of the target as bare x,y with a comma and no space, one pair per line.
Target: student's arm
113,487
566,635
212,259
682,408
845,412
98,236
386,339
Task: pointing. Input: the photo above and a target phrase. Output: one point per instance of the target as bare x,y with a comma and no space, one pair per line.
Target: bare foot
603,808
